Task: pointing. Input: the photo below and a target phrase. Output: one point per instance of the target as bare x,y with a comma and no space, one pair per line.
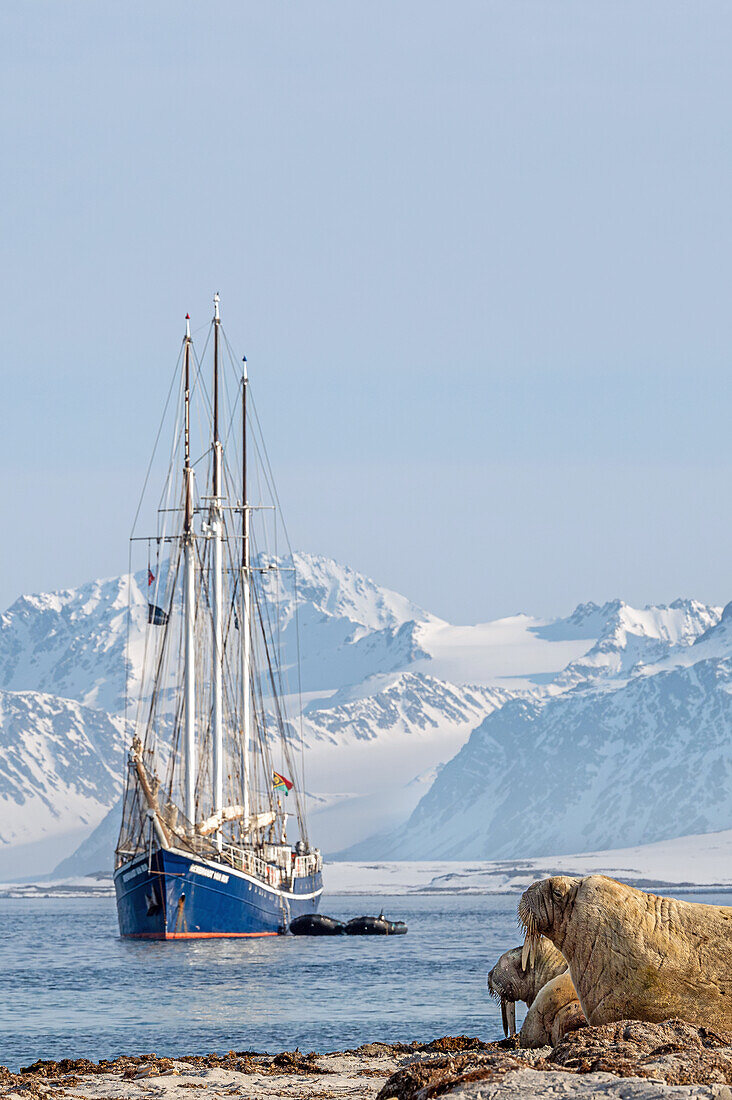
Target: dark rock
49,1068
675,1052
423,1080
387,1049
457,1043
292,1061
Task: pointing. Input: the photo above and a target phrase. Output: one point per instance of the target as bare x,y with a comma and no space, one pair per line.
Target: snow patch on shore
687,864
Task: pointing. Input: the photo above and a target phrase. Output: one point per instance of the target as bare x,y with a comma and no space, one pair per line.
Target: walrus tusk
508,1016
528,953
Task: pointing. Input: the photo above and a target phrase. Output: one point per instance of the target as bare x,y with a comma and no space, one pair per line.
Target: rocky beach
629,1060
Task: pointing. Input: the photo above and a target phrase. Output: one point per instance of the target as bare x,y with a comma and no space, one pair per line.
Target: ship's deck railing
244,860
253,865
307,865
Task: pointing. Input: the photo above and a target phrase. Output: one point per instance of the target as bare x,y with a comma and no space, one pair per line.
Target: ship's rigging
210,728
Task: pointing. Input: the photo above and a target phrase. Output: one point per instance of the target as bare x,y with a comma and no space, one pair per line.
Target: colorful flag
280,783
150,576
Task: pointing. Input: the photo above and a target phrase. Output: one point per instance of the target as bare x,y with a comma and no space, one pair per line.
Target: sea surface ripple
70,987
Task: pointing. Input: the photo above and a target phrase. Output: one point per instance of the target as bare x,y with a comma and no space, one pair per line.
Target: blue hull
177,897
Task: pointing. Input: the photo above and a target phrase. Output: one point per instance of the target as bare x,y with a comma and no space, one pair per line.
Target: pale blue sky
479,256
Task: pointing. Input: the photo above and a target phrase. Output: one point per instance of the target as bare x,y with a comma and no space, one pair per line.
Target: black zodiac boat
316,924
375,926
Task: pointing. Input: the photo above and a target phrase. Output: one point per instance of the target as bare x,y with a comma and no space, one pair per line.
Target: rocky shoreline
629,1060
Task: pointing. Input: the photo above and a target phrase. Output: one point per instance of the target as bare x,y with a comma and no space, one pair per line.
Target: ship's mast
217,593
189,612
246,598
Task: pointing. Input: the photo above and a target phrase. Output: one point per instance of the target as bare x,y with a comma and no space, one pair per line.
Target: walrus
510,980
634,955
555,1011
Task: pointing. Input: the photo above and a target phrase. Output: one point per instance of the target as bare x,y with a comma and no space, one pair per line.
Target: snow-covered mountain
367,762
73,646
60,766
337,592
374,757
635,752
560,727
72,643
633,639
413,706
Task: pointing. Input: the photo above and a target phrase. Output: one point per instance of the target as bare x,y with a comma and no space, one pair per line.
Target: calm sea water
69,987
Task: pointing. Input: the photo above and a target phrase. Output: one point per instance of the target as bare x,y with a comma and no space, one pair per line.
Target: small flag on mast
150,576
156,615
279,783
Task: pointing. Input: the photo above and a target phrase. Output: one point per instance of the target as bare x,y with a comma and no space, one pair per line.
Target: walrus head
509,981
506,982
542,911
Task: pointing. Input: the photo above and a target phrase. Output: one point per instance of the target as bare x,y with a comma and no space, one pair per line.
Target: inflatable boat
375,926
316,924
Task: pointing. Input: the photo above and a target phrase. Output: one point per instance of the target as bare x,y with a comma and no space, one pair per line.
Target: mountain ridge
587,780
395,701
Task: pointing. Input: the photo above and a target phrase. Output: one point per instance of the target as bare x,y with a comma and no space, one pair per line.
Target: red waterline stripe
194,935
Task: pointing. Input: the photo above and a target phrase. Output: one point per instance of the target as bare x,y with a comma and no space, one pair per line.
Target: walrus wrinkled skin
509,981
555,1012
633,955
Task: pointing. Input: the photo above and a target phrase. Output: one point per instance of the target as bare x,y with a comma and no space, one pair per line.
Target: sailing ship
203,849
